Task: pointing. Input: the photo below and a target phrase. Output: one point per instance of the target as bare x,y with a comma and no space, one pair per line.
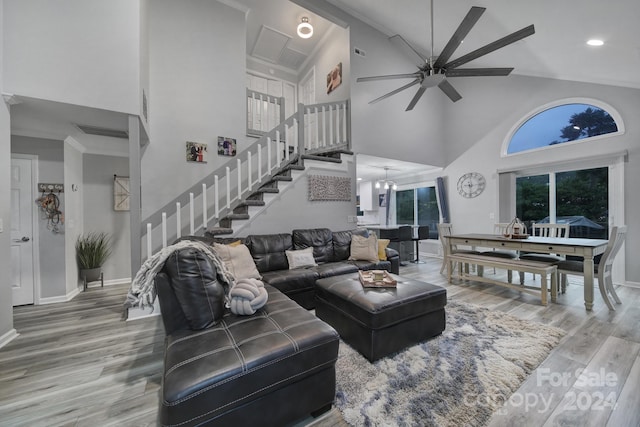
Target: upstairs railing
313,129
264,112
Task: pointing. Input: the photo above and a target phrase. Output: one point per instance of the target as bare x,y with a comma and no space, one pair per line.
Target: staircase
223,202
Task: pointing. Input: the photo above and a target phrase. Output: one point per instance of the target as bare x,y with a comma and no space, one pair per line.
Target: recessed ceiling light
595,42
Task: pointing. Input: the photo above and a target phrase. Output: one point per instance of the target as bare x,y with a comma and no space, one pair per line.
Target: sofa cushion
368,265
268,251
288,281
196,287
342,242
238,260
320,239
331,269
300,258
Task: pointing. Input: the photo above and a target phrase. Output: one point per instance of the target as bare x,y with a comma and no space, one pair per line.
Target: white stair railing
314,129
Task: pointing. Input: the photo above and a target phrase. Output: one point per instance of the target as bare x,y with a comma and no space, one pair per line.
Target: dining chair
602,269
500,228
445,229
545,230
423,234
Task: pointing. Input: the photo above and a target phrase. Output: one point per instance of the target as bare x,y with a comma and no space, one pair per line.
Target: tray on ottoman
368,279
380,321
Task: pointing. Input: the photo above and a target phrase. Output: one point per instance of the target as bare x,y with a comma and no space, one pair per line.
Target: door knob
24,239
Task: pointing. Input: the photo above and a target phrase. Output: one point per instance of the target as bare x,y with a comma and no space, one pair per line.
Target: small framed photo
196,152
334,78
226,146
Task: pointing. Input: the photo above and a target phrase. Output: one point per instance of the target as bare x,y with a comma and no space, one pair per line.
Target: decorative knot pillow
247,296
238,261
364,248
300,258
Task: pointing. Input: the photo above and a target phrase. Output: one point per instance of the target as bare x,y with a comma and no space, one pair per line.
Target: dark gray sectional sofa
272,368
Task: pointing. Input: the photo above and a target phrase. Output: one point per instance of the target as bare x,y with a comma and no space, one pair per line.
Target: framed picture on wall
334,78
226,146
196,152
121,193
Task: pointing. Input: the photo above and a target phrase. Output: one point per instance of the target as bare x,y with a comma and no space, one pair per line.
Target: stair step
252,202
217,231
237,216
267,190
294,167
281,178
321,158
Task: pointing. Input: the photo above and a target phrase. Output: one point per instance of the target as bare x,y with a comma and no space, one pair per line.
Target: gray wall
6,309
294,210
197,93
334,49
52,246
99,214
385,129
477,145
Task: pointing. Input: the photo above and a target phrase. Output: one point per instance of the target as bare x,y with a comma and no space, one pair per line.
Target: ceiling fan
435,71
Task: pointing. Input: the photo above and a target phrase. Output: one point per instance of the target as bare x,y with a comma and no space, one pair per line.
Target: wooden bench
522,266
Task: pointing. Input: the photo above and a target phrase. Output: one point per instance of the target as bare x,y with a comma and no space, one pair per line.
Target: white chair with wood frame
445,229
545,230
500,229
603,269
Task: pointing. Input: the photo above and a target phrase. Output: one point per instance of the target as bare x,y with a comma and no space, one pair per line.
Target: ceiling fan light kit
305,29
435,70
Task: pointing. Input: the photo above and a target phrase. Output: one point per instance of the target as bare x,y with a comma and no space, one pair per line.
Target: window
561,124
578,197
418,206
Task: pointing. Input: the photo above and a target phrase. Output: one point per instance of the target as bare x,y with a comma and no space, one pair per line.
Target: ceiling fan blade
418,57
388,77
507,40
472,72
416,98
463,29
393,92
450,91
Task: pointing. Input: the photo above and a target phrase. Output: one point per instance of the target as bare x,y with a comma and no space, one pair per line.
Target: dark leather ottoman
380,321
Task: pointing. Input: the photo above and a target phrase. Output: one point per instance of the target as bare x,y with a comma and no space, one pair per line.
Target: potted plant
92,250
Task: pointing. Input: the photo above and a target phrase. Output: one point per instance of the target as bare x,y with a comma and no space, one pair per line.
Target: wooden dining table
585,248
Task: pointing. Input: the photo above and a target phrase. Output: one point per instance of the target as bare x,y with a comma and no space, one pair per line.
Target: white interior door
22,202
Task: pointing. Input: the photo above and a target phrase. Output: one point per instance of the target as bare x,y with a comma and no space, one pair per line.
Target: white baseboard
631,284
8,337
109,282
62,298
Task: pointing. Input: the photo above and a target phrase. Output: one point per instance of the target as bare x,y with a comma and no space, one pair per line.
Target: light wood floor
79,363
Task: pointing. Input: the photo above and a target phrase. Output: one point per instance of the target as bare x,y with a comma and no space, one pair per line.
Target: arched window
563,122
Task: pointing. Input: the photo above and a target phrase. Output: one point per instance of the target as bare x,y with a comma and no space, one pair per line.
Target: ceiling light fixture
387,182
305,30
595,42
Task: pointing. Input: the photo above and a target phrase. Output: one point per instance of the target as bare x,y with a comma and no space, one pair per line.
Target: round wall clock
471,184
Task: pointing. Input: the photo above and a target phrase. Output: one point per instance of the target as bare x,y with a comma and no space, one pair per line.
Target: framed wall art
226,146
196,152
334,78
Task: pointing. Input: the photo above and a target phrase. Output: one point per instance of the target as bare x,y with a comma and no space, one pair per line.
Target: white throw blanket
143,291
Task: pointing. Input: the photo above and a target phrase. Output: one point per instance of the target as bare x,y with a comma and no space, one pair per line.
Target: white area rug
456,379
